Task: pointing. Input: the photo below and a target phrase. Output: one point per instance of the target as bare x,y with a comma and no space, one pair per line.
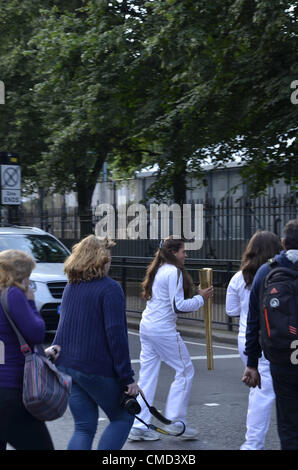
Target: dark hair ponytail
262,246
165,254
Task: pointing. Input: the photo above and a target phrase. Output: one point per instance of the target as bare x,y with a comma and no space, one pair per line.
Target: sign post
10,185
10,177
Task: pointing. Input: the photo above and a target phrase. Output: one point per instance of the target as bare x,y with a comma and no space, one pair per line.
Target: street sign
10,177
10,184
11,197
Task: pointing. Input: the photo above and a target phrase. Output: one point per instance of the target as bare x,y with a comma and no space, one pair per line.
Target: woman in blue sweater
92,333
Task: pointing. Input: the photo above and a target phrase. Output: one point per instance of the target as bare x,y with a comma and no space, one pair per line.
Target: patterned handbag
46,390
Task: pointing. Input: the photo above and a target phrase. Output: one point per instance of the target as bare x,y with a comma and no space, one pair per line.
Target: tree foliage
147,83
262,49
219,87
21,122
81,58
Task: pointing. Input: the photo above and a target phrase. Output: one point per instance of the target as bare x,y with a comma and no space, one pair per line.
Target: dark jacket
253,348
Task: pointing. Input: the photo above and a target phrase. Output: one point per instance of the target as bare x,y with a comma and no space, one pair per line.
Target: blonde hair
15,266
88,258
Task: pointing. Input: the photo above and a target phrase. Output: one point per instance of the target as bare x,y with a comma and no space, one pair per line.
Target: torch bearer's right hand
205,293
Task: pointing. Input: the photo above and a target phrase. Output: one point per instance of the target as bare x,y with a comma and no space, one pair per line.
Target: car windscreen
43,248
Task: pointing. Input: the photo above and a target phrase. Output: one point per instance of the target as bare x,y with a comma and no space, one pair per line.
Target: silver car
48,279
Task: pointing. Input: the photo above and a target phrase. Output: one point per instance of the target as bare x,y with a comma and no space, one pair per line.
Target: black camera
130,404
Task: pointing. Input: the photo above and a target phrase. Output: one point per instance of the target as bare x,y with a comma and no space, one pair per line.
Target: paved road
217,407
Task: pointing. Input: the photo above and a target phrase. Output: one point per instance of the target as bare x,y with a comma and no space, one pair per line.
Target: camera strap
160,418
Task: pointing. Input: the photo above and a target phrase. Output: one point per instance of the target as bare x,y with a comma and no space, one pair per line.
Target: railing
227,225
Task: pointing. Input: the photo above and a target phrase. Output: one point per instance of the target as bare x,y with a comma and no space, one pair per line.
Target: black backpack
279,313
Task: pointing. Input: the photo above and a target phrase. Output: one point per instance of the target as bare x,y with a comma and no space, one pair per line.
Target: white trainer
189,433
137,434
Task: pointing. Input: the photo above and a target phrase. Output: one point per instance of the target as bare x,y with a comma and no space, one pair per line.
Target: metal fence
227,226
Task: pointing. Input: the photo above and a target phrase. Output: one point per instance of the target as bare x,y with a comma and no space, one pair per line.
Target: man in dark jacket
284,376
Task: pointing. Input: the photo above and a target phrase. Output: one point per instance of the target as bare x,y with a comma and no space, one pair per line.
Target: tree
82,58
220,85
172,121
22,126
139,83
258,65
20,123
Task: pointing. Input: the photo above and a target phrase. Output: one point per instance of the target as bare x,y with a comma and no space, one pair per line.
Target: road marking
214,345
195,343
211,404
219,356
194,358
133,333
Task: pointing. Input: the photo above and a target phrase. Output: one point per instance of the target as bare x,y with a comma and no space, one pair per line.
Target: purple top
31,325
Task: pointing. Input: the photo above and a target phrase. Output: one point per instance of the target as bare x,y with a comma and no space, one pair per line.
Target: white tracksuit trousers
172,350
260,403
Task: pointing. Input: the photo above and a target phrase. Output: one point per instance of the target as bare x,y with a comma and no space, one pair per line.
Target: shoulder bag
46,390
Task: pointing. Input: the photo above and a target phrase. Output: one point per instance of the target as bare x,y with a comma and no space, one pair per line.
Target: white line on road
133,333
193,358
193,342
219,356
214,345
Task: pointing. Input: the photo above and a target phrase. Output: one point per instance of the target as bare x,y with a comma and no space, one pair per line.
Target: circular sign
10,177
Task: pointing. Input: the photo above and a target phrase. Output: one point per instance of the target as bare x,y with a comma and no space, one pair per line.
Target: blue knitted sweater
92,330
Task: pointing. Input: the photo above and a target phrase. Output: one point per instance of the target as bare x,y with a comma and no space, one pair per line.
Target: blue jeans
88,393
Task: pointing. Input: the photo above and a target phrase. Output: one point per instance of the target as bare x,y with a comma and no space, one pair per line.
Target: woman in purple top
17,426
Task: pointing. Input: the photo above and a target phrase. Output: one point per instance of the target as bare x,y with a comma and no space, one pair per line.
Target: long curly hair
165,254
15,266
262,246
88,259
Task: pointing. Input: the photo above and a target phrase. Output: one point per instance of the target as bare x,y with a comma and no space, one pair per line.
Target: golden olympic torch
205,275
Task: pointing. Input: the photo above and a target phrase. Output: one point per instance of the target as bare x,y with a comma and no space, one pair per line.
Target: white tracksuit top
237,300
159,316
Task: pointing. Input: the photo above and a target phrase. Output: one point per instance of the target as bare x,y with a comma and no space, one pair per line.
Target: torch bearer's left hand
206,293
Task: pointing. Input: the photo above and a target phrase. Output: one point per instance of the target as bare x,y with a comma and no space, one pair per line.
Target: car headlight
32,285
